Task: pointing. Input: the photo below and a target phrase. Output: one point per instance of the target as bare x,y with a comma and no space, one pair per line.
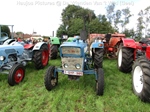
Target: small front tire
16,74
100,82
50,80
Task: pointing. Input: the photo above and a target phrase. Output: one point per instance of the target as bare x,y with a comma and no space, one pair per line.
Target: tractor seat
145,41
108,36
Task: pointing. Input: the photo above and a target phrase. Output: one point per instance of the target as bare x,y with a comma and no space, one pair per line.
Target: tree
117,17
74,18
140,25
75,27
129,33
72,12
147,21
126,16
61,31
110,12
6,29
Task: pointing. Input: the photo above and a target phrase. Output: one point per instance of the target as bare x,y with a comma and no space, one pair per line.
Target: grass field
71,96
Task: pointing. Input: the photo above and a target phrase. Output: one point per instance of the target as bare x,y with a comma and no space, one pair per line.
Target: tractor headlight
2,58
65,65
78,66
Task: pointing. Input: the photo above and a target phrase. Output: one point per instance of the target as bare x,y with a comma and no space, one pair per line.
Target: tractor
14,56
134,57
112,43
76,62
55,44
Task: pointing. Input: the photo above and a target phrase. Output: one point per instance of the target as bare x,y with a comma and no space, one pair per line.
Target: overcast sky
44,16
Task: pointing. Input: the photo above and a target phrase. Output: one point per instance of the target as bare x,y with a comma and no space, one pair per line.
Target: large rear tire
98,58
125,59
16,74
54,51
100,82
41,57
50,80
141,79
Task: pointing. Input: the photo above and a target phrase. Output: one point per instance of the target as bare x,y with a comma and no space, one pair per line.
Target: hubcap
53,81
138,79
120,57
19,75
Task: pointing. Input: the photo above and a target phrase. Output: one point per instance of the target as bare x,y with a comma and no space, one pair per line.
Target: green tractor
55,43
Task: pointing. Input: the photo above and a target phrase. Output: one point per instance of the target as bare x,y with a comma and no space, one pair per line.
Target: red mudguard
127,42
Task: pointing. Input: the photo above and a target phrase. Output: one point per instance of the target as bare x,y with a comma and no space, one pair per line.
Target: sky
44,16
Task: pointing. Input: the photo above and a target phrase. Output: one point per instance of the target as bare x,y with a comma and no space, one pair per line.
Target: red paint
19,75
28,46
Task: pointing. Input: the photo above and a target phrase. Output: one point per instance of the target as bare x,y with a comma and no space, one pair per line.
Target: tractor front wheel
98,57
100,82
51,79
16,74
125,59
41,57
141,79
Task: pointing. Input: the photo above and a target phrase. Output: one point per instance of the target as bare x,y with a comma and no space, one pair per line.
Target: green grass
70,96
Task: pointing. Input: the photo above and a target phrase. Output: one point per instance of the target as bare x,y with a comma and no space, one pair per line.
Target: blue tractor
14,56
78,58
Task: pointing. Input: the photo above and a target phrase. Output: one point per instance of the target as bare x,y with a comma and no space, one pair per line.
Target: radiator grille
71,62
10,51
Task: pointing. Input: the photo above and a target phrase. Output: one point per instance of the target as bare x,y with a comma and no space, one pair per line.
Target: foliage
126,16
129,33
71,96
100,25
75,27
75,17
118,17
61,31
140,25
6,29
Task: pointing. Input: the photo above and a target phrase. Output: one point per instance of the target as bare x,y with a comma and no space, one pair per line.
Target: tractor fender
8,41
38,45
97,45
127,42
148,52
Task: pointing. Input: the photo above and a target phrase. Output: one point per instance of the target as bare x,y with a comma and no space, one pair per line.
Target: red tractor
112,43
134,57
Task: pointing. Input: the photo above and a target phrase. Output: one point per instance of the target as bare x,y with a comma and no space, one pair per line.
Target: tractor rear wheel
141,79
125,59
54,51
50,80
16,74
100,82
98,58
41,57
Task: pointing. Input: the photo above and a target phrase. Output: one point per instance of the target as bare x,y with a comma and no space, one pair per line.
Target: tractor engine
72,57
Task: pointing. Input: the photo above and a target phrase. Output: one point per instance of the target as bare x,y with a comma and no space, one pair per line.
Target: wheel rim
53,81
120,57
45,57
19,75
138,79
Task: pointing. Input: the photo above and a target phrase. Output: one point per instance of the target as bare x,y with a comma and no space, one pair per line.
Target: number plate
73,73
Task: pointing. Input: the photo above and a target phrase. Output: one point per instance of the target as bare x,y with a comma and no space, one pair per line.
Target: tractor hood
55,40
10,49
78,47
80,44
